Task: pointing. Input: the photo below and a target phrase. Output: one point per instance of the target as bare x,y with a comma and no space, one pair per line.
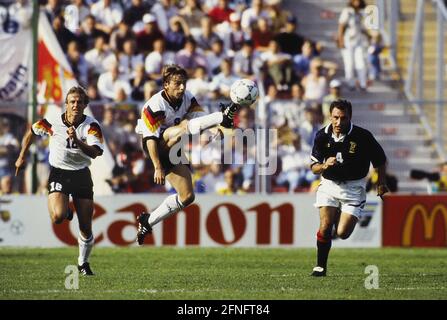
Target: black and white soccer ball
244,92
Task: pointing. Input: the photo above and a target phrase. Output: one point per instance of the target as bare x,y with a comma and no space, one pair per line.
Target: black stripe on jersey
68,124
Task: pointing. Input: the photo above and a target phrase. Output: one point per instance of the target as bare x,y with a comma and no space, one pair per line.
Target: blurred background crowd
117,50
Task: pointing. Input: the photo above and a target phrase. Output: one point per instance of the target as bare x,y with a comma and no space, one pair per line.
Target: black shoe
69,214
318,272
85,269
143,227
228,112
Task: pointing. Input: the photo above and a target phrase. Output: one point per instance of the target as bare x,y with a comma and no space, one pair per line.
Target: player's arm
26,143
92,151
319,163
319,168
149,127
152,148
378,159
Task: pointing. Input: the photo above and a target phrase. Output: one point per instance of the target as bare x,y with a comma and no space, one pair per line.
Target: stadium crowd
117,50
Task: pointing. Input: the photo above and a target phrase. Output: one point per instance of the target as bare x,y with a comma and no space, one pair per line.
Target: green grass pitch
223,273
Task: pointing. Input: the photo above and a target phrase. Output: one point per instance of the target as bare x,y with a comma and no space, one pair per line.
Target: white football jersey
157,114
64,153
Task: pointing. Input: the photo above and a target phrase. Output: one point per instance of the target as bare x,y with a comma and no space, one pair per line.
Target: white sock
167,208
85,247
197,124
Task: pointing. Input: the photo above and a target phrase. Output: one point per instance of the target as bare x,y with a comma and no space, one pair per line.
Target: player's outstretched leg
144,228
228,112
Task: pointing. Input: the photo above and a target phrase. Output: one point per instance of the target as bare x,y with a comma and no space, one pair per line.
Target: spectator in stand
221,83
234,37
374,50
177,33
278,65
207,35
74,14
93,94
135,12
164,10
245,119
315,83
262,35
9,147
147,36
278,16
334,94
215,56
292,110
221,12
99,57
107,14
157,59
302,61
230,185
290,41
294,163
212,178
193,14
309,127
63,35
129,59
150,88
252,14
189,58
110,82
353,41
78,63
120,35
199,84
89,33
129,167
52,9
138,82
112,130
244,62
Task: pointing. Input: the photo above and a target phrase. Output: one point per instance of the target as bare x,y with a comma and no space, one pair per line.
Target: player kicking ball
342,153
165,118
75,139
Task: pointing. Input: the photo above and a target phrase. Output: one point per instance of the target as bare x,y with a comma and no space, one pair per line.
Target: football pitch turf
224,273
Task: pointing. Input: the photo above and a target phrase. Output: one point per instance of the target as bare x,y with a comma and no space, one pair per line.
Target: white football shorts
349,195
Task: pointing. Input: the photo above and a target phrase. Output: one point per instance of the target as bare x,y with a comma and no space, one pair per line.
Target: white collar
341,138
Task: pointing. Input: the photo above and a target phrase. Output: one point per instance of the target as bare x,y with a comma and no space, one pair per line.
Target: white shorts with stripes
349,195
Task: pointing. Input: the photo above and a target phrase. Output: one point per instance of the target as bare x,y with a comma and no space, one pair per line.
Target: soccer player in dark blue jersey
342,153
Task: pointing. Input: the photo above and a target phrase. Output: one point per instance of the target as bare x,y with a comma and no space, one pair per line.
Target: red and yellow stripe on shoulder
153,120
95,130
42,127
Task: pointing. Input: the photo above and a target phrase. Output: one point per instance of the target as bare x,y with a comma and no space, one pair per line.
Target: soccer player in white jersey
165,117
75,139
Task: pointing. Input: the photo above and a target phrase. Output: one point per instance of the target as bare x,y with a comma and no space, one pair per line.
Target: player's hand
72,133
332,161
159,176
381,190
20,163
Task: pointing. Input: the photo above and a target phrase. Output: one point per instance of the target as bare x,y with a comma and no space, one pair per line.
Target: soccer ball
244,92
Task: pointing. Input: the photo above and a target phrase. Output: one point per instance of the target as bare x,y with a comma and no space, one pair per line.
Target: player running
342,153
75,139
165,118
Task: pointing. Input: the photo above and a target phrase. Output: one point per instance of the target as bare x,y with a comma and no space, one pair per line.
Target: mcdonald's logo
428,221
